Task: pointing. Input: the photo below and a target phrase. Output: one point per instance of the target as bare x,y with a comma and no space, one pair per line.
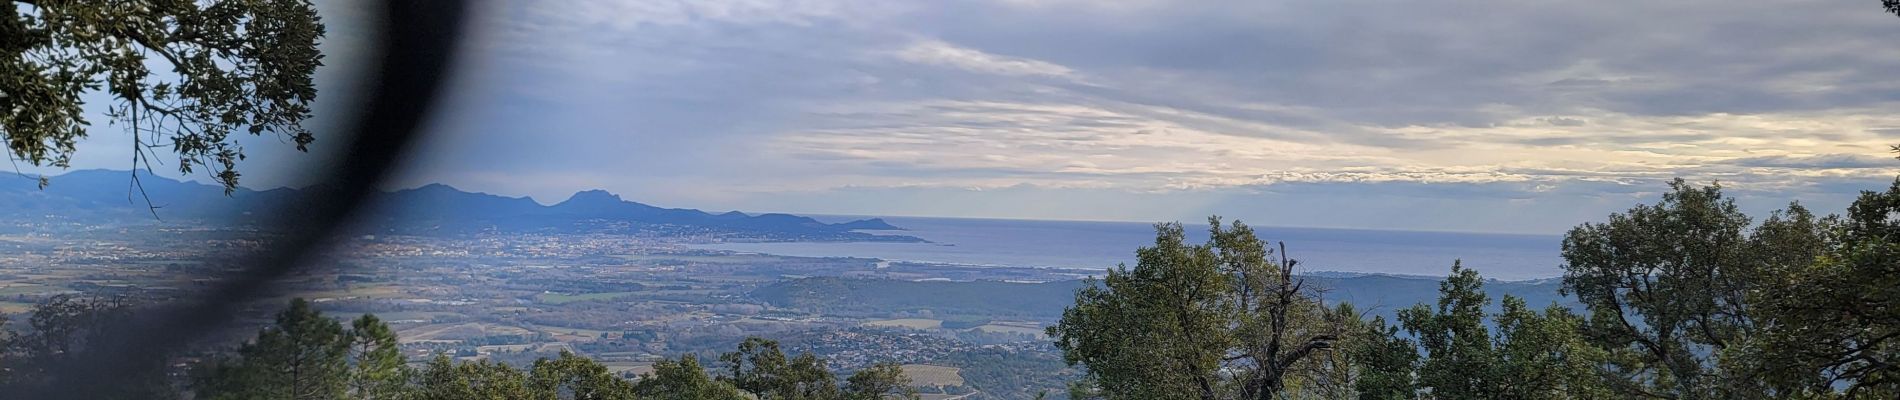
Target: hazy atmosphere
1489,116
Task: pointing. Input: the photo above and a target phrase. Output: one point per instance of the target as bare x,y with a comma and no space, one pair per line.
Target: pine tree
377,368
1385,361
303,356
1458,356
1530,356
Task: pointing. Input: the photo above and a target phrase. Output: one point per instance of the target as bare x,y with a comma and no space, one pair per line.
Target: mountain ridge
105,196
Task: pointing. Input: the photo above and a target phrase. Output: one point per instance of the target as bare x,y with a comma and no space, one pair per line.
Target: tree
567,376
578,377
303,356
1341,374
61,327
235,66
760,368
1458,358
1665,285
377,367
881,381
1830,318
684,379
1219,320
1544,355
1384,361
479,380
1532,355
1278,321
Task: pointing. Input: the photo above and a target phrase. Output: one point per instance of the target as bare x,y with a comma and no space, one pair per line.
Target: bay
1092,245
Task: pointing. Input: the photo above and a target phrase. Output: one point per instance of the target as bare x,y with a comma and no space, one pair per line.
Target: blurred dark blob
418,43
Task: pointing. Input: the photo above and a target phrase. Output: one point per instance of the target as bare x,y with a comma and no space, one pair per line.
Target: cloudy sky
1480,115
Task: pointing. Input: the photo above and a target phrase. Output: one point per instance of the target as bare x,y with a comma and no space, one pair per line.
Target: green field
562,330
10,307
459,331
932,375
398,315
28,289
366,291
559,298
636,367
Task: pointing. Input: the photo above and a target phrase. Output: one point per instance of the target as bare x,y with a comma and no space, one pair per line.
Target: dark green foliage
1665,285
66,325
1384,360
577,377
1529,355
1157,331
1457,347
307,356
377,369
58,327
303,356
1834,323
879,381
760,368
684,380
231,66
1690,302
1220,320
1006,374
480,380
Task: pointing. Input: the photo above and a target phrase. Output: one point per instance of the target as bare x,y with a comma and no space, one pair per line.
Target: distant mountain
873,224
98,195
101,196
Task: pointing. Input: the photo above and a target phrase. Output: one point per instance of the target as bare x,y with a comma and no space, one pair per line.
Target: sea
1091,245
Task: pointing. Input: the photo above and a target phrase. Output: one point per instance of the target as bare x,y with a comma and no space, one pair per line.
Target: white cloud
734,103
1137,147
940,53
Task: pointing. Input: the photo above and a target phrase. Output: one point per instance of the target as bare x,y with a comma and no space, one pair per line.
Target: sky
1464,115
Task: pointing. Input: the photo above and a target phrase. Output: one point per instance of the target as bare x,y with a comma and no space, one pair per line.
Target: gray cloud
1823,161
731,104
1564,121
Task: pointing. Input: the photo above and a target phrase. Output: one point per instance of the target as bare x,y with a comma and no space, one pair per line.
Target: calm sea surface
1098,245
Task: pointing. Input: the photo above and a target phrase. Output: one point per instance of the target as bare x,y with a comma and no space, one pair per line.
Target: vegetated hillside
1373,294
873,224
